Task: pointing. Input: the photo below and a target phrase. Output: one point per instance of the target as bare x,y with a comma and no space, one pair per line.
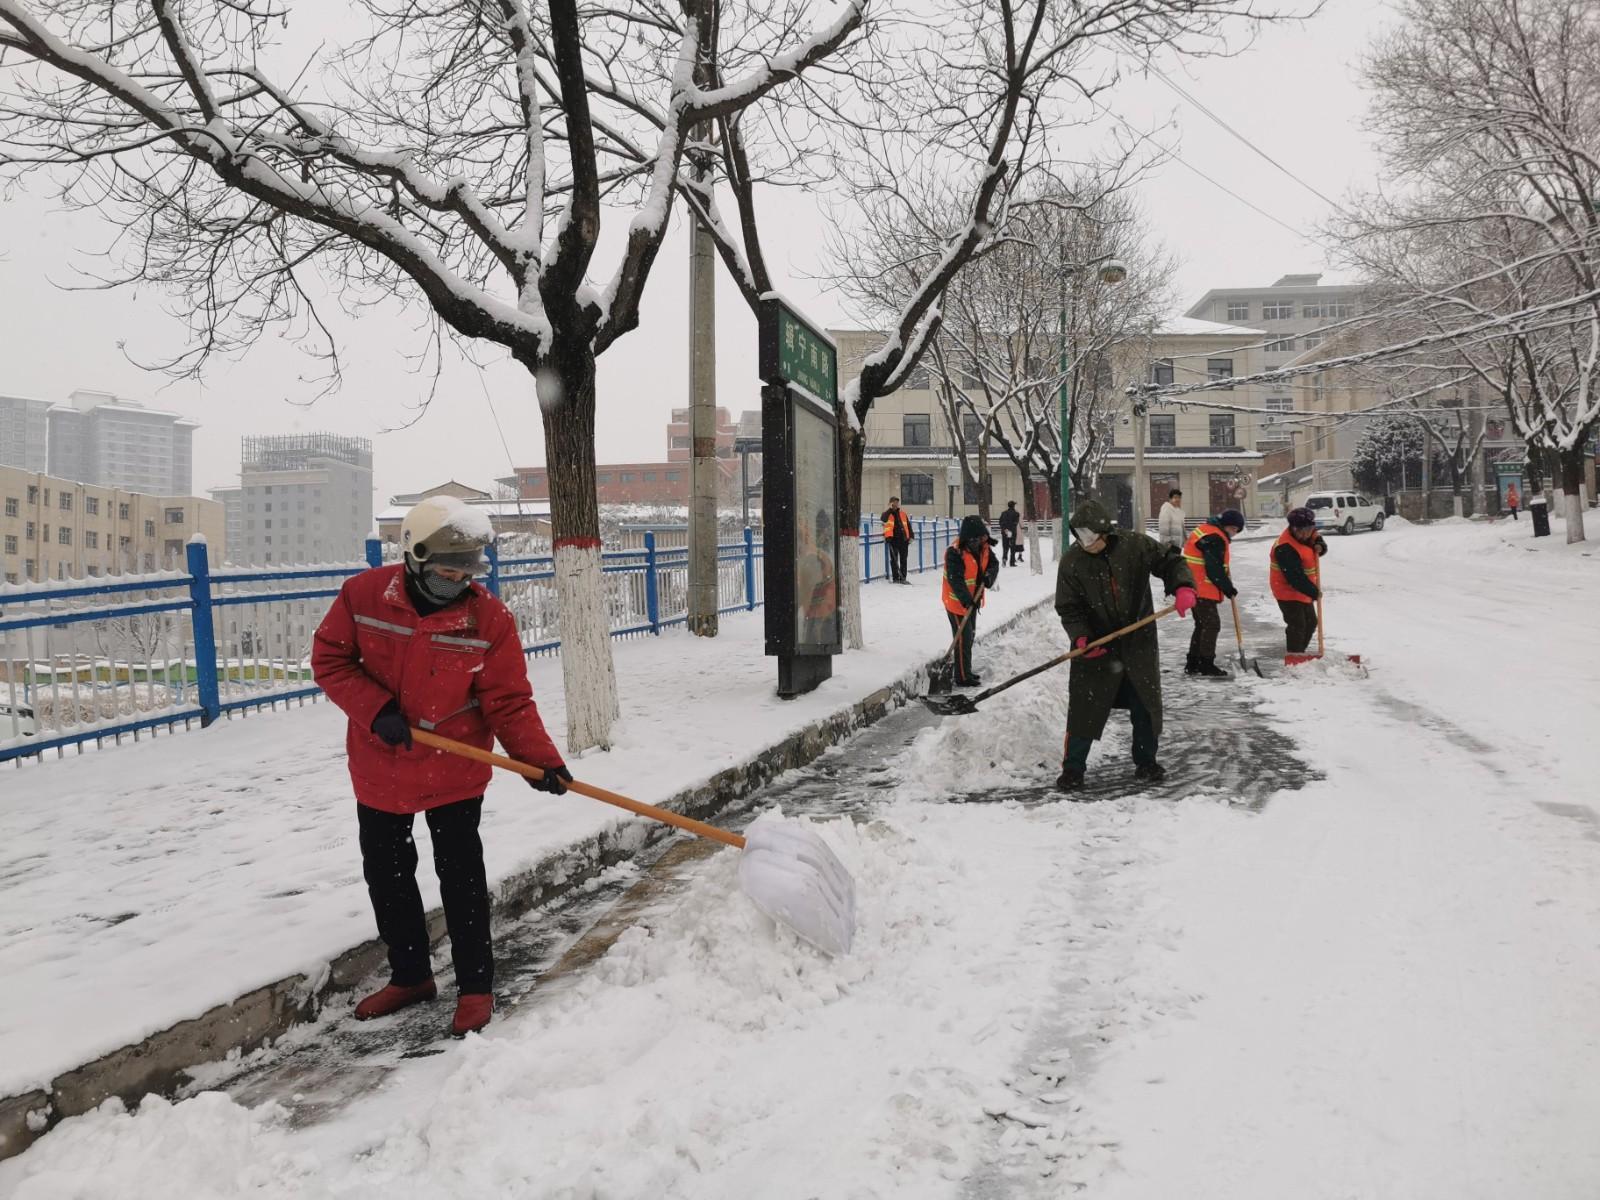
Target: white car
1344,511
17,720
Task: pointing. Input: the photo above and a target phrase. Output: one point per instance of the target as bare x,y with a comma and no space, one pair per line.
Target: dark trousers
1207,624
1299,624
389,863
1010,551
1145,742
963,649
1514,516
897,560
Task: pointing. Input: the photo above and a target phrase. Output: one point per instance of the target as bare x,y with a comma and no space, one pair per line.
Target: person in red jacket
419,643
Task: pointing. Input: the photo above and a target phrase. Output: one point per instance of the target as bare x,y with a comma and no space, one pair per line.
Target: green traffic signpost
799,367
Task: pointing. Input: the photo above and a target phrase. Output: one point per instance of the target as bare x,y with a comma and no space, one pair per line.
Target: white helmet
442,531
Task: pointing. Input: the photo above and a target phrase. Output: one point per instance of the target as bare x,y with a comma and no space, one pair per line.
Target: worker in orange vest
1513,500
970,567
1209,553
896,539
1297,578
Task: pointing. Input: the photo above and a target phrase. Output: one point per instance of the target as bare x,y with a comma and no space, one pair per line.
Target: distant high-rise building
302,498
232,501
110,442
22,432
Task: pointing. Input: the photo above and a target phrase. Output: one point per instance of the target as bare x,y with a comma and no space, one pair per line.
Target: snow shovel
960,706
1245,664
786,869
942,673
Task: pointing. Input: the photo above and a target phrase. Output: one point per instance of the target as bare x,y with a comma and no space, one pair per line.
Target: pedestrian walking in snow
1209,556
970,568
1296,578
419,643
1513,500
1169,521
1102,585
897,539
1010,524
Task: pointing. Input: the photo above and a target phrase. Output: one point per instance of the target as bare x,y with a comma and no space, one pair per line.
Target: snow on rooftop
1194,327
489,509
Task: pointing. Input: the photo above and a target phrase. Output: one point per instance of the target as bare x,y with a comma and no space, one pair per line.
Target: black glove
1316,592
391,726
554,781
1230,591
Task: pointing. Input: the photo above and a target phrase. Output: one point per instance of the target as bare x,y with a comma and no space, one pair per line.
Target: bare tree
459,154
1035,314
1491,127
933,144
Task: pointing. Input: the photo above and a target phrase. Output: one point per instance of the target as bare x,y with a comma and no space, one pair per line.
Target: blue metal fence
96,660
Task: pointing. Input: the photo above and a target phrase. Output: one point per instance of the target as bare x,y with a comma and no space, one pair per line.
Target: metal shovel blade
955,705
792,876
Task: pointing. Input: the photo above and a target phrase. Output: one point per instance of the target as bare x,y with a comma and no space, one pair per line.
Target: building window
1313,340
916,429
65,500
625,477
1161,372
603,477
174,550
64,535
91,505
1281,404
1220,368
12,507
1238,310
33,494
1222,429
1164,430
91,539
1280,345
971,429
11,543
150,529
681,442
1277,310
916,489
28,569
674,476
649,476
30,531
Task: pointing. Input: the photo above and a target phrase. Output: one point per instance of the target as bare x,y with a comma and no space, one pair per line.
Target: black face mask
435,587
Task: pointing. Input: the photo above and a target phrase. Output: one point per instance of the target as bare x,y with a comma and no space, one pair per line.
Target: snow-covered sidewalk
145,884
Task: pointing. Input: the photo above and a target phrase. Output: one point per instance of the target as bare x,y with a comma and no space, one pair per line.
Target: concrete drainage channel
161,1061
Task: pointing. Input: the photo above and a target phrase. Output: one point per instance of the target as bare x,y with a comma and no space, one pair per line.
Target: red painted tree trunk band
576,543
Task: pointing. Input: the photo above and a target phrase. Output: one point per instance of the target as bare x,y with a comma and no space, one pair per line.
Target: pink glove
1097,652
1183,600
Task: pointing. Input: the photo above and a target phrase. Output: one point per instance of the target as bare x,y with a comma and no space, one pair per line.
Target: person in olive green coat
1103,584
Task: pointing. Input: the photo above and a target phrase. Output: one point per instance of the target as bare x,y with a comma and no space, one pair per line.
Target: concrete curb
159,1062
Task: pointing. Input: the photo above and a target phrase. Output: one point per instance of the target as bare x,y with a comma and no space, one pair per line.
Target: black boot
1152,771
1070,780
1208,668
1191,665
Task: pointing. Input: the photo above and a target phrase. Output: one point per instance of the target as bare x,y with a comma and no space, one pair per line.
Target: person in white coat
1169,524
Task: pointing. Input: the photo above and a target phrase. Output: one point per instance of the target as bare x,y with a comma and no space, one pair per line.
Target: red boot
392,997
473,1010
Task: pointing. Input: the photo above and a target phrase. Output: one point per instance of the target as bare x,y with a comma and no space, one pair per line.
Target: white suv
1344,511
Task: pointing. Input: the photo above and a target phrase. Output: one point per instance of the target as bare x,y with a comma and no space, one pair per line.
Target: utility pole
1140,489
704,475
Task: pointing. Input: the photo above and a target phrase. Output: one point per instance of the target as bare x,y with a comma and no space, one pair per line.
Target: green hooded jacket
1097,594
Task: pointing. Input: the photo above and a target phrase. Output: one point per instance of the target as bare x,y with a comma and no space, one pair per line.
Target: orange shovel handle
687,824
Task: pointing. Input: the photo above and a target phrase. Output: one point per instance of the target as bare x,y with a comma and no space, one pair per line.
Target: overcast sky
1294,94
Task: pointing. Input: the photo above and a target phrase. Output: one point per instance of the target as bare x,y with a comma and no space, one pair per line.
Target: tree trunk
983,477
588,675
1030,514
705,474
1572,492
847,572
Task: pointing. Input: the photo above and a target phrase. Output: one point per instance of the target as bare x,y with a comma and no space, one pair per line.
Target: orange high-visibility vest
1203,586
1308,560
897,518
973,569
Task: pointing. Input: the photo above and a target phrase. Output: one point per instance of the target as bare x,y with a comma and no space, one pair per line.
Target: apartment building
100,439
302,498
23,429
1213,456
1295,313
53,528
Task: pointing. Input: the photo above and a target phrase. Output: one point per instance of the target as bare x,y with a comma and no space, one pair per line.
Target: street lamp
1111,270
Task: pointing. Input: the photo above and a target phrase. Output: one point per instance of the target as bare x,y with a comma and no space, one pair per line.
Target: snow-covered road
1382,984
